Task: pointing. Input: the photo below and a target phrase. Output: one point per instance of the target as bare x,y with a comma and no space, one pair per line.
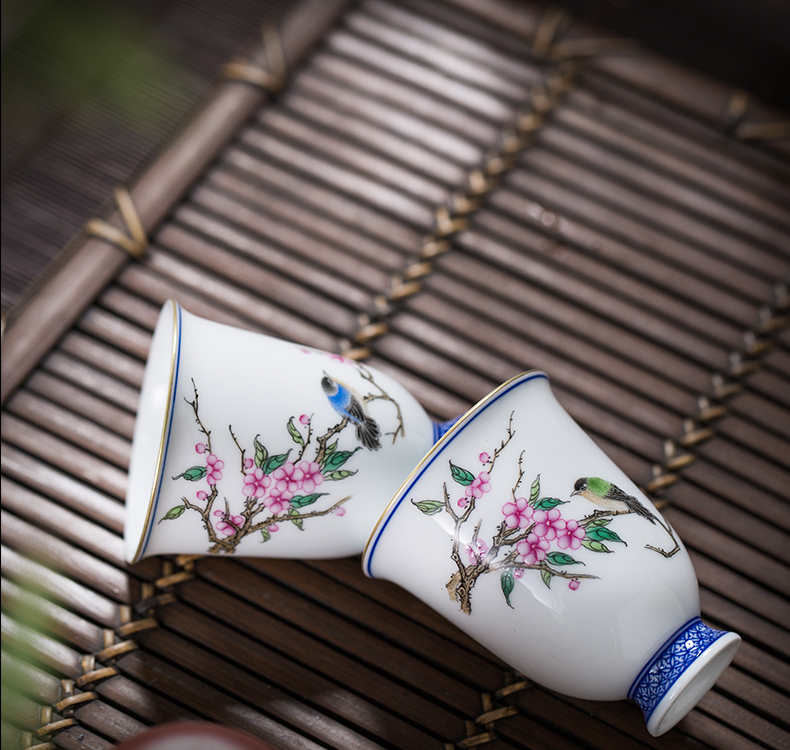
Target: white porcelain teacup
249,444
522,532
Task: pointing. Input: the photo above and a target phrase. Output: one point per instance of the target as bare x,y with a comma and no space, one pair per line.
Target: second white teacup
523,533
251,445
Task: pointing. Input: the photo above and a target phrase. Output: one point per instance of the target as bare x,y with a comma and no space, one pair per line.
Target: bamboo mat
448,191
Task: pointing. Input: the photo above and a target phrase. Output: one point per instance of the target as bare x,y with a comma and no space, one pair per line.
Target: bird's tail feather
369,434
640,510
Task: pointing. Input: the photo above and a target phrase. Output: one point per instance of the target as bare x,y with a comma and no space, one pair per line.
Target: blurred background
91,89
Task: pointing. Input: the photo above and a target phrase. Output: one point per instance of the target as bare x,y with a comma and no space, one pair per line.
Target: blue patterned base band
670,662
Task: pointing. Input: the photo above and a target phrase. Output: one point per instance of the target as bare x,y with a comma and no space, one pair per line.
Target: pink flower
571,536
573,585
200,448
518,514
311,476
201,495
248,463
255,484
287,481
533,549
463,502
484,458
518,573
304,419
276,503
479,486
340,511
215,466
229,524
476,551
548,524
274,527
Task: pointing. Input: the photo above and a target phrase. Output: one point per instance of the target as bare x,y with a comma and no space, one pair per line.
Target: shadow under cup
250,445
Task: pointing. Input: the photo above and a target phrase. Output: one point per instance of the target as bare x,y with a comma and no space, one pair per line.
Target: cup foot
681,672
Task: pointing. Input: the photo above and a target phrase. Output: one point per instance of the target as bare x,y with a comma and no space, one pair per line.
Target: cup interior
152,428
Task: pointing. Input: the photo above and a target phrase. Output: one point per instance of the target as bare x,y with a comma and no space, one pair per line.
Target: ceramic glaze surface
522,532
251,445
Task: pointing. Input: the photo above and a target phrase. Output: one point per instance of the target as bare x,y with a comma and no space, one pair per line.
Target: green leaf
337,459
546,576
294,433
266,534
534,491
261,454
429,507
595,546
330,449
507,581
275,462
193,474
300,501
602,534
547,503
342,474
298,522
599,522
173,513
462,476
561,558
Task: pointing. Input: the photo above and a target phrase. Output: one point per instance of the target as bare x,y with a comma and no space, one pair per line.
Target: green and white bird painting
612,501
609,496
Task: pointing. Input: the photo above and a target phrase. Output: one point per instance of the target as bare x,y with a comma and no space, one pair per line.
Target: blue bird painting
349,406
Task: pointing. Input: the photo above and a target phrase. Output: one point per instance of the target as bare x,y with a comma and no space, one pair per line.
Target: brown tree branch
241,450
306,440
503,444
195,409
324,439
383,395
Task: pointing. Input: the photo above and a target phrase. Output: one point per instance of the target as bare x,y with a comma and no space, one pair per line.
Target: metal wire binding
712,406
271,79
116,642
493,710
95,669
136,241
